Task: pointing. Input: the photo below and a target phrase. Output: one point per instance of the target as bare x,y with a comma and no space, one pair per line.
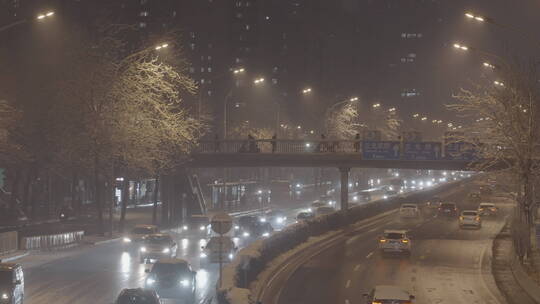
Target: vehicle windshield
136,299
165,269
394,236
199,220
247,220
142,230
158,239
470,213
6,278
226,243
408,206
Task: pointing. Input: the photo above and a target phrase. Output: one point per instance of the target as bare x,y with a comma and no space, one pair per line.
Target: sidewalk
502,270
13,256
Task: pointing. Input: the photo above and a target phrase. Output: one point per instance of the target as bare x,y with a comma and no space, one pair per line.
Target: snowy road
447,265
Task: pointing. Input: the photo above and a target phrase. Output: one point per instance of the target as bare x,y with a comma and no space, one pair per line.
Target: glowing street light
498,83
306,91
353,98
377,105
299,127
45,15
162,46
415,115
258,80
392,110
488,65
461,47
424,118
475,17
239,70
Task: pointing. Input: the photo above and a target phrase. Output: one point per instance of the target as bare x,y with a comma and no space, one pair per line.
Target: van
11,283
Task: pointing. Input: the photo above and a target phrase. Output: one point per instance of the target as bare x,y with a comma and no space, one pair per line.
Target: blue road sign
460,151
380,149
422,150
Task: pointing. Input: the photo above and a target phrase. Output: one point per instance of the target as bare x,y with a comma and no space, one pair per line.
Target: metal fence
8,242
279,146
51,241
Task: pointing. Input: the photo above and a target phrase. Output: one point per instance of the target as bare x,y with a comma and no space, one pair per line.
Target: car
218,248
487,209
324,210
389,193
434,202
447,210
327,200
172,278
362,197
275,217
157,246
137,296
470,218
388,294
137,234
304,216
11,283
317,204
245,221
256,229
409,210
197,224
486,190
395,241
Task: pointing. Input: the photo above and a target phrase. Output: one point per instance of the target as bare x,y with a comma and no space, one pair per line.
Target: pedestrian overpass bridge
340,154
328,153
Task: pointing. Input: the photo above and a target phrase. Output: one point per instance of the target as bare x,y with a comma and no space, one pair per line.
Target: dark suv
447,210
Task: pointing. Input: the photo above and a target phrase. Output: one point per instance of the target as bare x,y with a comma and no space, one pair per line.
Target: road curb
101,242
14,257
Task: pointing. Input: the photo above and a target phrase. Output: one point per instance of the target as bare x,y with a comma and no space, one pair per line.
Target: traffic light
2,177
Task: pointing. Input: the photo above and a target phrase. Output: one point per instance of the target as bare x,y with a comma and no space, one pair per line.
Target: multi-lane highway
447,264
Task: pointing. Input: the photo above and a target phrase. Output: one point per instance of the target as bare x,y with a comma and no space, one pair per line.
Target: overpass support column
344,187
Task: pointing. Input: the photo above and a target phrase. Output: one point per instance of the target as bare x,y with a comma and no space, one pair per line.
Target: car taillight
455,209
461,217
404,241
382,240
493,209
480,209
477,218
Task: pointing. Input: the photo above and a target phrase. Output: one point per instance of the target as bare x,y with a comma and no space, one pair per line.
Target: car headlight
184,283
143,249
246,234
166,250
185,227
236,227
231,256
5,296
262,219
150,281
279,220
385,197
202,228
127,240
266,234
203,255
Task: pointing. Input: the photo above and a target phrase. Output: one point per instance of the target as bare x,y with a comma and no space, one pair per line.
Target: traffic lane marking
348,284
370,254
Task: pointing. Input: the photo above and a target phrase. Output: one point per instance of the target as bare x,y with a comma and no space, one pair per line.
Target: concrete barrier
8,242
50,241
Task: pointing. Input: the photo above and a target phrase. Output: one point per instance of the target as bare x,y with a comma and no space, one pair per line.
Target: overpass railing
279,146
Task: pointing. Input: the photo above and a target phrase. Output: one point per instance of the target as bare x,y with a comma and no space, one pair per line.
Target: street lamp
475,17
161,46
498,83
377,105
353,99
306,91
45,15
392,110
258,80
415,115
488,65
424,118
238,71
461,47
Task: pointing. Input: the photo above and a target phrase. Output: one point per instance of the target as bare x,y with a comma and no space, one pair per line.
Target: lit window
411,55
403,35
144,14
209,69
202,80
174,13
142,24
239,15
238,3
202,70
274,80
267,17
209,57
237,60
275,69
192,34
247,27
192,70
209,92
144,1
192,46
419,35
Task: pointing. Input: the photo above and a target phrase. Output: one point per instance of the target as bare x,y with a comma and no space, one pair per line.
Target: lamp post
40,17
236,72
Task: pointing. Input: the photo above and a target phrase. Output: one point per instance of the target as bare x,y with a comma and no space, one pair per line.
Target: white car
218,248
395,241
324,210
137,234
409,211
470,218
388,294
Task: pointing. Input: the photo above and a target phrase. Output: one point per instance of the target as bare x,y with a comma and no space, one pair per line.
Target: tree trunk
155,200
125,202
97,195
